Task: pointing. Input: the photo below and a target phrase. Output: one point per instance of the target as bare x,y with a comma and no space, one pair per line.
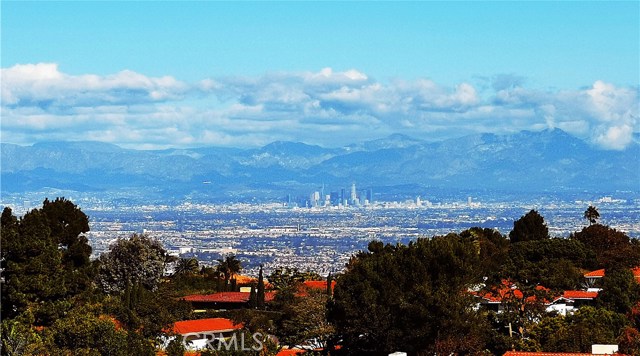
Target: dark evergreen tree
253,299
612,248
411,298
260,293
529,227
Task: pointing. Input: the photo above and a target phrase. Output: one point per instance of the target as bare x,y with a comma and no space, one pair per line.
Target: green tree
228,267
411,298
131,261
68,225
591,214
589,325
530,226
612,248
620,292
553,263
260,293
253,299
84,331
492,248
304,321
20,339
32,266
187,266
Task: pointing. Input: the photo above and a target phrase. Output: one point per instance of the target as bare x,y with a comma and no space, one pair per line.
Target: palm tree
228,267
591,214
187,266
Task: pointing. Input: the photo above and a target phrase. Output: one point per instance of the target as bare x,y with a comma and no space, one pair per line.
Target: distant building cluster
342,198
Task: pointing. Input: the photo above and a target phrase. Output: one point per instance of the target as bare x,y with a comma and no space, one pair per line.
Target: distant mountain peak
90,146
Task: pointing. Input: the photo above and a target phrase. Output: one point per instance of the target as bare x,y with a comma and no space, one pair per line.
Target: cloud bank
330,108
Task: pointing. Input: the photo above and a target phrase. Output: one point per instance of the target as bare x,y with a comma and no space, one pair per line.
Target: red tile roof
225,297
208,325
290,352
579,294
506,290
318,284
599,273
522,353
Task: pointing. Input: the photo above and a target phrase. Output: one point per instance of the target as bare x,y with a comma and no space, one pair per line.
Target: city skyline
151,75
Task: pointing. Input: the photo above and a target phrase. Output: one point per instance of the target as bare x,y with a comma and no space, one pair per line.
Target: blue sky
181,74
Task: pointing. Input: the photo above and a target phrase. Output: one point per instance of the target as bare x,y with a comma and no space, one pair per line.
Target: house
200,333
223,300
594,276
563,304
493,299
570,300
319,286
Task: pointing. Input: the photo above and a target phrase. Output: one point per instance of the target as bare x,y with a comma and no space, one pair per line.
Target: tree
260,293
612,248
32,267
187,266
411,297
492,248
304,321
253,299
552,263
228,268
131,261
530,226
68,224
620,292
591,214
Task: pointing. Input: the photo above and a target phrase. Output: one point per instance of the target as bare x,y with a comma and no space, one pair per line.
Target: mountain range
550,160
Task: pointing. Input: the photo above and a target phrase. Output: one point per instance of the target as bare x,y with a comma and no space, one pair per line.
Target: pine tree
260,296
253,300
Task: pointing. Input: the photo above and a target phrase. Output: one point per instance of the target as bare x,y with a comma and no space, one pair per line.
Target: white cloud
44,85
326,107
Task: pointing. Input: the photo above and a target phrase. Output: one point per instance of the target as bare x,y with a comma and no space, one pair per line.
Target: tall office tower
335,198
315,199
370,195
354,196
342,196
469,202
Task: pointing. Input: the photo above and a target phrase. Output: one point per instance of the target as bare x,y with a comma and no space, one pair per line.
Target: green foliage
286,277
44,258
260,292
18,338
147,312
577,332
620,292
553,263
175,347
591,214
629,341
228,268
253,299
411,298
492,248
135,260
304,321
529,227
186,266
612,248
84,331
